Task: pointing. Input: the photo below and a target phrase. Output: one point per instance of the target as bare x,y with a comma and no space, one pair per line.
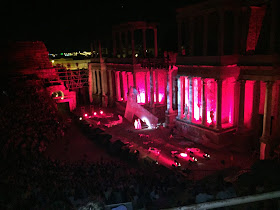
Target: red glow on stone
248,103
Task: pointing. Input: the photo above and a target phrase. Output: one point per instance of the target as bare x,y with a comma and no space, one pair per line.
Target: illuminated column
179,83
114,44
144,42
241,105
169,92
94,81
110,87
120,44
190,109
204,102
98,82
155,42
104,88
156,83
191,26
152,101
121,85
179,36
221,33
90,84
219,104
134,80
146,88
127,80
117,81
205,34
132,47
126,44
266,119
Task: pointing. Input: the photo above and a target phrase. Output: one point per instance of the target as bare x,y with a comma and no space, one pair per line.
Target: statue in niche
212,118
186,112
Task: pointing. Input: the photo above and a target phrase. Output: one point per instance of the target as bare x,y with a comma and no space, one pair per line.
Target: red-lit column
152,101
204,103
94,81
155,42
114,44
146,88
132,47
134,80
219,104
266,120
183,95
144,42
190,108
179,84
205,34
127,77
179,36
157,93
98,82
241,105
169,92
124,80
221,32
117,81
111,99
90,84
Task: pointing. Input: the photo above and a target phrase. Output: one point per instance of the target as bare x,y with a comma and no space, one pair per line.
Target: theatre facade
223,87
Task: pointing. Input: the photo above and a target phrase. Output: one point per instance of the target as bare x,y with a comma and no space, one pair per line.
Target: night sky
72,25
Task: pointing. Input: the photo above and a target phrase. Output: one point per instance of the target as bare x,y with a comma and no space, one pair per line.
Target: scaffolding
73,79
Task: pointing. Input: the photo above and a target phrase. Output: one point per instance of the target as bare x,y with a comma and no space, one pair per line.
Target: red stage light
94,113
85,115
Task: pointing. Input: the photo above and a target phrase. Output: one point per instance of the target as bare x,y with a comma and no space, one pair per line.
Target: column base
170,118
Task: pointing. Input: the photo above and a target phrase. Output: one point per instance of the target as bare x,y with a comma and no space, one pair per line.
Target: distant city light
52,61
136,55
80,118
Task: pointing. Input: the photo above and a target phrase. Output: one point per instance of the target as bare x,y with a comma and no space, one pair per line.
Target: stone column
221,33
265,139
98,82
191,27
144,42
135,80
219,104
152,101
256,104
94,81
190,108
132,47
204,103
90,84
156,81
179,84
114,44
127,78
117,81
169,92
104,88
155,42
126,44
146,88
111,96
205,34
240,125
179,37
